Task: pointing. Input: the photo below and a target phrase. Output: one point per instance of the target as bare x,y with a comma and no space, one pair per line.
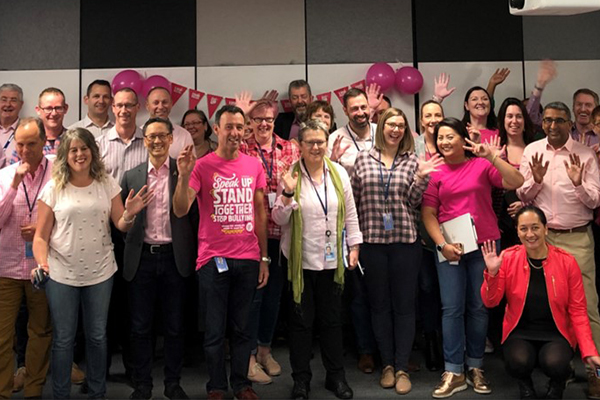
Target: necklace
533,265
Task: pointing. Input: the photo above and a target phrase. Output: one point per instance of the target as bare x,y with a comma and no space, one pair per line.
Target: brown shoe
449,385
246,393
77,375
269,364
593,384
366,363
19,379
403,384
387,379
257,375
476,379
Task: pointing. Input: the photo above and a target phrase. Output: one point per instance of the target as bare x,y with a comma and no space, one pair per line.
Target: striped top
119,156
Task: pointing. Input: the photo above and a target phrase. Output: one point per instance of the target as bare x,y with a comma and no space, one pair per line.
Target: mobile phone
40,277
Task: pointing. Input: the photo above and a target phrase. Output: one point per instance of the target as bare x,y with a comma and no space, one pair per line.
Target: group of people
109,220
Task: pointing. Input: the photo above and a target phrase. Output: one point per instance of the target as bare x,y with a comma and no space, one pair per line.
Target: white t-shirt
81,248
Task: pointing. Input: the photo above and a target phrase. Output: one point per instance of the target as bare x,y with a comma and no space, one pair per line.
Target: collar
12,127
277,142
113,135
87,122
166,165
568,145
349,130
304,172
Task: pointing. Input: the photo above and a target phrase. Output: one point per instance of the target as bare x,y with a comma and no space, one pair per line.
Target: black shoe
300,390
141,393
340,389
175,392
433,358
526,389
555,389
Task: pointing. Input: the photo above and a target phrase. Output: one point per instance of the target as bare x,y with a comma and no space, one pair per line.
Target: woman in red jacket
546,313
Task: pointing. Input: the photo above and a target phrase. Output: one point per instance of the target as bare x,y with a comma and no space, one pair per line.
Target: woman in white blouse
73,245
314,209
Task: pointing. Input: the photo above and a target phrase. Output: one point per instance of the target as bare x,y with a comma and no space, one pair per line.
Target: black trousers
321,301
521,356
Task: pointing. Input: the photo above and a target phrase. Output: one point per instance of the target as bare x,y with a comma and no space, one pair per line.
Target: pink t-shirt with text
457,189
225,193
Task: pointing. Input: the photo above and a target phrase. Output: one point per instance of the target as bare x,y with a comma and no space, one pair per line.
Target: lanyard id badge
388,221
28,249
221,264
388,218
271,197
329,247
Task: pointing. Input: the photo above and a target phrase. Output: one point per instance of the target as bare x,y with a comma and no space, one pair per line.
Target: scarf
295,273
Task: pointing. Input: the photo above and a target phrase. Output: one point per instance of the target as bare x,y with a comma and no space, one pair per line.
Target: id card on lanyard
388,218
271,196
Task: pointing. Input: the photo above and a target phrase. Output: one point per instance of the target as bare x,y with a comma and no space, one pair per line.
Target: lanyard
354,140
386,186
31,205
264,160
323,205
10,138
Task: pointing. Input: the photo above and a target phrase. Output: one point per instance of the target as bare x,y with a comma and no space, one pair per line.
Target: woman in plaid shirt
388,182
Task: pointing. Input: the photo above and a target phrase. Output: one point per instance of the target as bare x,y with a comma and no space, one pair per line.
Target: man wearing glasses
159,104
561,178
160,253
51,109
11,102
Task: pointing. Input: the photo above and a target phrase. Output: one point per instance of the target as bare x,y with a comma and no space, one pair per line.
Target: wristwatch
266,259
440,246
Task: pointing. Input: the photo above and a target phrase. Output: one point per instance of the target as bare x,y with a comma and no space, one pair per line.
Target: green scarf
295,271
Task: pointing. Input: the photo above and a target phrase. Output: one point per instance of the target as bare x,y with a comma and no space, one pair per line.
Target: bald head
30,139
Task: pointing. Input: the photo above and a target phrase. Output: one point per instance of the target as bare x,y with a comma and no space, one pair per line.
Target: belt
158,248
579,229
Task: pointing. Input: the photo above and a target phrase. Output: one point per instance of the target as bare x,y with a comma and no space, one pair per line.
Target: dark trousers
321,299
228,298
391,274
157,281
430,306
360,312
521,356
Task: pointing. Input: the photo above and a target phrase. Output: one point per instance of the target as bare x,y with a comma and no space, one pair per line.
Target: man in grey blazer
160,252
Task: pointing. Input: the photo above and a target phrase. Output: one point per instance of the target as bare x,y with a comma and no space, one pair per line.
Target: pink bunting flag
340,93
213,103
195,97
177,91
362,85
324,97
287,105
230,101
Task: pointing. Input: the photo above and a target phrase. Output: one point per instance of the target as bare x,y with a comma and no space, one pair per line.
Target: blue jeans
228,298
464,317
64,302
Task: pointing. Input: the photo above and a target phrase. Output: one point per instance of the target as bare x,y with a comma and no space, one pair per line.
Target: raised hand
20,174
270,95
538,168
338,150
596,149
575,169
441,90
491,259
474,133
499,76
374,95
546,73
243,100
289,181
135,204
494,143
186,161
480,149
426,167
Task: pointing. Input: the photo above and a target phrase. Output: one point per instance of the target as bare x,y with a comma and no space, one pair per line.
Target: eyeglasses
400,127
557,121
128,106
48,110
162,137
193,123
311,143
259,120
9,100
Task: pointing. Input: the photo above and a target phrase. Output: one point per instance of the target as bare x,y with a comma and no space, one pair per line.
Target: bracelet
288,195
494,158
538,88
128,221
437,99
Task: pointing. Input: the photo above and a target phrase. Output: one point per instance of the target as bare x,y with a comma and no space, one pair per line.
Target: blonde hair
407,144
61,173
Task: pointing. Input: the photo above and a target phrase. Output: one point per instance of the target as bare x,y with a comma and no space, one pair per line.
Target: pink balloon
409,80
382,74
155,81
127,78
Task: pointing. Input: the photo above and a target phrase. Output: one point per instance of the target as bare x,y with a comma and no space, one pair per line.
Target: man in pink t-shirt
232,245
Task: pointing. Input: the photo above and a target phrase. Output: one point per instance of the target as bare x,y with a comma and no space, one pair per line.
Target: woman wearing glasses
388,182
196,123
73,245
314,208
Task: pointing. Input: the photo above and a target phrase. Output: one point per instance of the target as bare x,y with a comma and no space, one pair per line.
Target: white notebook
460,230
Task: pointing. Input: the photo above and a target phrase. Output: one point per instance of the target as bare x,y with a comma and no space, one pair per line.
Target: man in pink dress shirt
20,184
160,252
562,178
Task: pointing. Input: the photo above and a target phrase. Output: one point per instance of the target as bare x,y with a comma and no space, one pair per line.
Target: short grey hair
312,125
560,106
13,88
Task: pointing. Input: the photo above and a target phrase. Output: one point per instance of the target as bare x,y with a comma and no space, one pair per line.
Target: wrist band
437,99
128,221
494,158
538,88
288,195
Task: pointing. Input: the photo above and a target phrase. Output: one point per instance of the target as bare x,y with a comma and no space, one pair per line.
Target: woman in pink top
463,185
479,118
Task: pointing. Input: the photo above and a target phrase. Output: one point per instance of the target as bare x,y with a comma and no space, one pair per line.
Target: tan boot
269,364
387,379
449,385
77,375
403,384
19,380
257,375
